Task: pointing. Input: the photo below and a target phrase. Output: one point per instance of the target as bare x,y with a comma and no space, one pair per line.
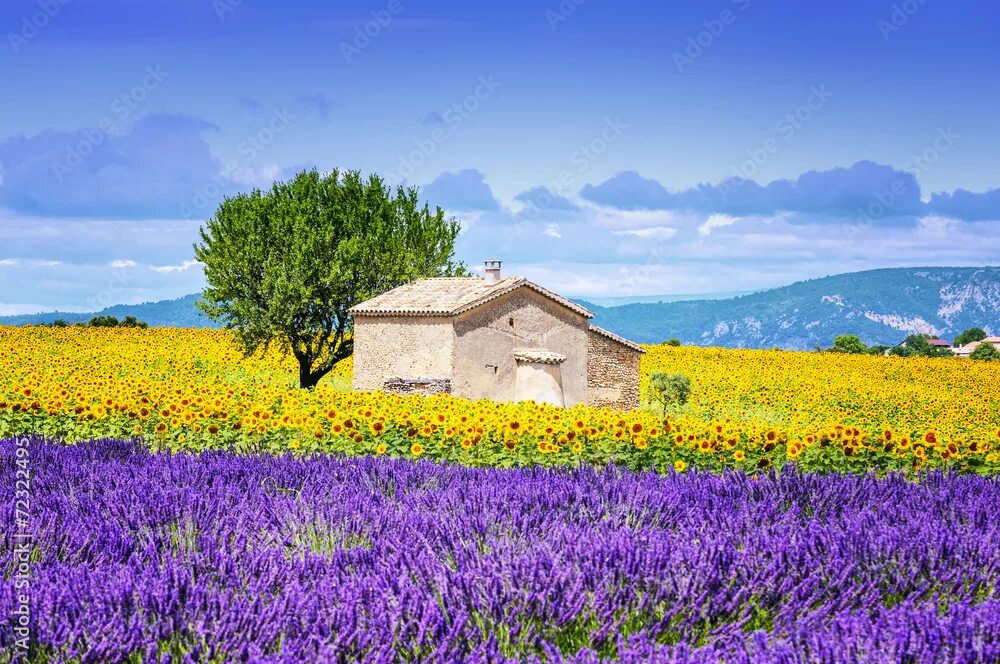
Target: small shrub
985,351
667,389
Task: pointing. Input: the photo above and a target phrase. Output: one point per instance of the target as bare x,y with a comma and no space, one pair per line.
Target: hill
166,313
881,306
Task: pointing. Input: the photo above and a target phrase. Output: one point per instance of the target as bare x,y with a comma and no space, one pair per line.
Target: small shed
491,337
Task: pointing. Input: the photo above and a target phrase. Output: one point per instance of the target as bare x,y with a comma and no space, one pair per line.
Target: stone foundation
421,386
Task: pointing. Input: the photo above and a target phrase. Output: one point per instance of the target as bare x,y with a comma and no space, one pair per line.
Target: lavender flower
220,557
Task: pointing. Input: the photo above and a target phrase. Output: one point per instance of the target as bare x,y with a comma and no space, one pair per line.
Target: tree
849,343
103,321
970,335
673,341
285,266
985,351
669,389
917,345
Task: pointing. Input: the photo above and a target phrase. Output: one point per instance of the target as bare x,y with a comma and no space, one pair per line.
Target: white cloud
122,264
716,221
261,177
166,269
659,233
626,219
28,262
552,230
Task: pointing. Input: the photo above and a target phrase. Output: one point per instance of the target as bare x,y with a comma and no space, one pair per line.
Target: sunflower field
192,390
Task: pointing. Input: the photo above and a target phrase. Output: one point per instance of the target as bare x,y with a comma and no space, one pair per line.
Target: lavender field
143,557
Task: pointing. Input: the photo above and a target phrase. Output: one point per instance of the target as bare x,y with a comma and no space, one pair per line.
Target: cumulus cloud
716,221
166,269
122,264
865,189
543,198
465,190
964,204
144,172
629,191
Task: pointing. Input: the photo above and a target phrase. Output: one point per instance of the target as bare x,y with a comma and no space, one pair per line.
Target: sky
599,147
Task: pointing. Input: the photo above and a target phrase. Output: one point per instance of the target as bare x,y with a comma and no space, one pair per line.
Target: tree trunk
307,378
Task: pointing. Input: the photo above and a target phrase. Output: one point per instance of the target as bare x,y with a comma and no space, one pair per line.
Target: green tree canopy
285,266
917,345
669,389
970,335
985,351
849,343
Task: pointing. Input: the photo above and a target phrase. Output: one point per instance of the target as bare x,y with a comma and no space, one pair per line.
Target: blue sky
602,148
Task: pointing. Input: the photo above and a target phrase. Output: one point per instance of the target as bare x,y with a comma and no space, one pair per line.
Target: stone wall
389,347
612,374
422,386
487,336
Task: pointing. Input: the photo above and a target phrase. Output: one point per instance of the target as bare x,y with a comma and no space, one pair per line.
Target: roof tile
450,296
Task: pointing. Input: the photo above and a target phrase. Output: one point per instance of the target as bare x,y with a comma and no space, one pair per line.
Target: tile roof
614,337
450,296
538,355
973,345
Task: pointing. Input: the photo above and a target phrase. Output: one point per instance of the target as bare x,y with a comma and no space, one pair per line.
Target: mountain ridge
881,306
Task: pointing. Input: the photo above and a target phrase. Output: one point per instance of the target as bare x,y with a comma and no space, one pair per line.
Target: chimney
492,274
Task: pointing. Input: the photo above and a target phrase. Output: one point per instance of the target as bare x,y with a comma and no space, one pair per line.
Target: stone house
967,349
491,337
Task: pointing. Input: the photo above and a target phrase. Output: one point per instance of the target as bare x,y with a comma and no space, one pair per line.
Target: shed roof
614,337
538,356
450,296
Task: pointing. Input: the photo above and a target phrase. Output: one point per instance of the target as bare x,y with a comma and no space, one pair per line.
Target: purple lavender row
219,557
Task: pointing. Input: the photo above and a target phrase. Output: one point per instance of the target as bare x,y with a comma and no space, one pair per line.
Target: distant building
491,337
966,350
933,343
